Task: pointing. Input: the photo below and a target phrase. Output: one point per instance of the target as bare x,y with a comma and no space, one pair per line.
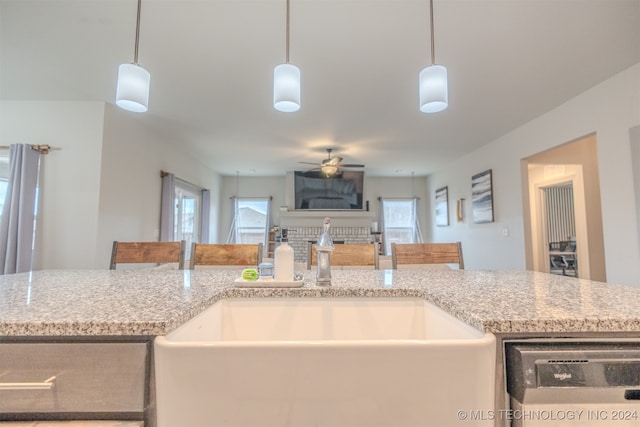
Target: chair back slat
427,253
226,254
147,253
348,255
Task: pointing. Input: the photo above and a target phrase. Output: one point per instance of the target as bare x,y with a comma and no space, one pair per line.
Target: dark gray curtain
204,217
17,225
167,207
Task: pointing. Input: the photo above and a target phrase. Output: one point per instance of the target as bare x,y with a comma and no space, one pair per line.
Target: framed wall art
482,197
442,207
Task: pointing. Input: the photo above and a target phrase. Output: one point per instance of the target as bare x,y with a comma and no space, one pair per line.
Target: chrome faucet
324,247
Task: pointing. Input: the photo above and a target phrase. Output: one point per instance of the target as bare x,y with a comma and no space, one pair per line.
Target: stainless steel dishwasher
571,382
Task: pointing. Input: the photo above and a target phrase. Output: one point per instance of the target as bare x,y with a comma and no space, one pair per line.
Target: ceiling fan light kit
329,170
433,85
331,166
286,81
132,89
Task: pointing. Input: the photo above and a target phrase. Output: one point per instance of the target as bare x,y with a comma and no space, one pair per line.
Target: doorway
562,211
560,229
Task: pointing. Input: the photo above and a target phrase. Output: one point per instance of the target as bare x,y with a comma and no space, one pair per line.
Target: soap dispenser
324,247
283,259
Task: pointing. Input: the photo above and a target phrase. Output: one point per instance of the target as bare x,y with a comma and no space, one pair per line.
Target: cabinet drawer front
89,377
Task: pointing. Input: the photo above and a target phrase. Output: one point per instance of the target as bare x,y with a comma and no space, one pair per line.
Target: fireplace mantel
315,218
357,214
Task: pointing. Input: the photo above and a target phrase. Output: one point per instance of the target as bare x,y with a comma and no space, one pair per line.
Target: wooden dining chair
348,254
225,254
426,253
147,253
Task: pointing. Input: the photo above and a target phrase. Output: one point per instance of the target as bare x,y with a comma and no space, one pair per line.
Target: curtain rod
251,197
398,198
42,148
163,174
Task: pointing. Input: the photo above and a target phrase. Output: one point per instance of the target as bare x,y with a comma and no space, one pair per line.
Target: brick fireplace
300,236
348,227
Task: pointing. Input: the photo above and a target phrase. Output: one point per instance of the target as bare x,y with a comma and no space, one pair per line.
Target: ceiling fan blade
351,166
308,163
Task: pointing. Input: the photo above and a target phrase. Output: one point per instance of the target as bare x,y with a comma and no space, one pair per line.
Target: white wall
130,184
70,175
609,109
102,180
635,160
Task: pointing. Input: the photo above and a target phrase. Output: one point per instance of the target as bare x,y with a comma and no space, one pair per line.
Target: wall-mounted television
314,191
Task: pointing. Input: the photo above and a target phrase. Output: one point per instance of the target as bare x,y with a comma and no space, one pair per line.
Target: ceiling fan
331,165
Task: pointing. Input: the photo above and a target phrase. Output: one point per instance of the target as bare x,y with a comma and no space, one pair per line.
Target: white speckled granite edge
562,325
130,303
35,328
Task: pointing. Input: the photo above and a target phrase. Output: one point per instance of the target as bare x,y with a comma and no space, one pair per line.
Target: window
184,212
251,220
3,192
400,220
4,177
187,214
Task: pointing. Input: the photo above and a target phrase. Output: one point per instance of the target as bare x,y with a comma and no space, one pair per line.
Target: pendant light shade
433,84
132,93
286,81
434,96
132,89
286,88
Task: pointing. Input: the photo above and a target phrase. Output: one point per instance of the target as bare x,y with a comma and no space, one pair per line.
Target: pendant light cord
135,52
287,35
433,43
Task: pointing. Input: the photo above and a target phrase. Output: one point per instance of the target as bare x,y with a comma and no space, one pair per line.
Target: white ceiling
211,65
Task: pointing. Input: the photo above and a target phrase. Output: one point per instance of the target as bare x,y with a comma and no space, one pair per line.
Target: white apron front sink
346,362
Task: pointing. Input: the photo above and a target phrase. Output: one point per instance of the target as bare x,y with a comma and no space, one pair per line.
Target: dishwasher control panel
590,379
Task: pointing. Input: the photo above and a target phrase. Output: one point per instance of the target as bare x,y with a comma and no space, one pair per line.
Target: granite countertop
154,302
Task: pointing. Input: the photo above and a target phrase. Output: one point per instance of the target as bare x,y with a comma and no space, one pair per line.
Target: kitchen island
148,303
133,306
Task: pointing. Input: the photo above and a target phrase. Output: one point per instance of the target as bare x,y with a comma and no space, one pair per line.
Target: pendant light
132,92
434,96
286,81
